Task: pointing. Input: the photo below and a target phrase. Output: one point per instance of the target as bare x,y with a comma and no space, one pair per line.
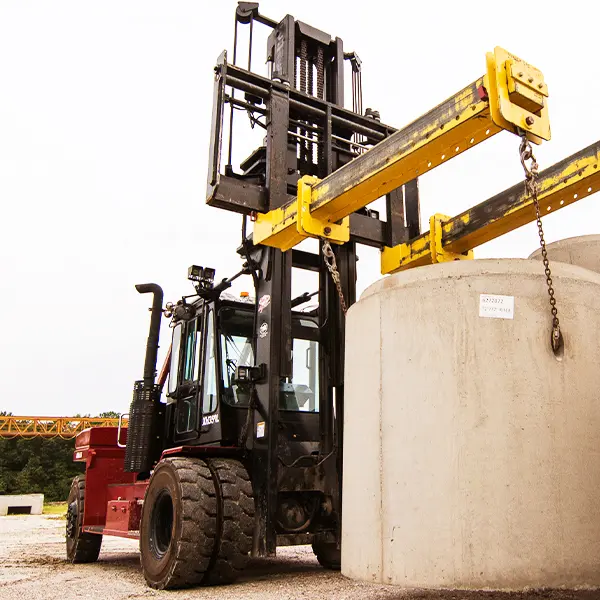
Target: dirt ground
32,566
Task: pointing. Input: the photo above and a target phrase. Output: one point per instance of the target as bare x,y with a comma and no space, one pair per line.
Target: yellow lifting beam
564,183
511,95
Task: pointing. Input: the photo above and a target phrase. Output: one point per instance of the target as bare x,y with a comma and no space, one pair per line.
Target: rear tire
328,555
236,520
179,524
81,547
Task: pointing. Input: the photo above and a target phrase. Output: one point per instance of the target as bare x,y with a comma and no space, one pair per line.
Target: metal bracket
517,95
119,427
424,250
309,226
438,254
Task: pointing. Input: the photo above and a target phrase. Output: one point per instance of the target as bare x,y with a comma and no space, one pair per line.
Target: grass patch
55,508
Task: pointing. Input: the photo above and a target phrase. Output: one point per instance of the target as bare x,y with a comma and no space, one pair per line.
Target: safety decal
264,302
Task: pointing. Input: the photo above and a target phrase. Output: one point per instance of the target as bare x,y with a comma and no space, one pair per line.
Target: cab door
184,377
209,425
193,386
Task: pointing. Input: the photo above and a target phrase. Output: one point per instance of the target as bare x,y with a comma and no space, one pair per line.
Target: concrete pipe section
471,451
583,251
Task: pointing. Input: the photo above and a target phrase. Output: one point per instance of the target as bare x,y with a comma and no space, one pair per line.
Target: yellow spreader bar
512,95
564,183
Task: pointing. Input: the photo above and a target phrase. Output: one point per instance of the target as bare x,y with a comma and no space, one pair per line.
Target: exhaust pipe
145,412
154,333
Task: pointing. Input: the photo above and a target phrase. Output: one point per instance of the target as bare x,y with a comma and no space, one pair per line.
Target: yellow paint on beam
503,99
577,179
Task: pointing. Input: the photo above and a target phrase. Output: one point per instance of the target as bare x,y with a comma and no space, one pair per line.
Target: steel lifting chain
532,187
335,275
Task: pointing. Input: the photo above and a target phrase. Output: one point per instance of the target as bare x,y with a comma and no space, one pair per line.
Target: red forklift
235,448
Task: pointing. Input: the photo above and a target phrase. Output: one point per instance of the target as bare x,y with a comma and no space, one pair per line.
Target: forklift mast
308,132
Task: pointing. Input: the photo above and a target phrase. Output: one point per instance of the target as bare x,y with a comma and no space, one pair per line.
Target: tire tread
236,521
194,549
87,545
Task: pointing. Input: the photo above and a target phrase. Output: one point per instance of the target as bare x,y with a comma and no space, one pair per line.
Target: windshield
300,392
236,350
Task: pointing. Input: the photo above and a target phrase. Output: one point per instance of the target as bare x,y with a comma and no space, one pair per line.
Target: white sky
105,112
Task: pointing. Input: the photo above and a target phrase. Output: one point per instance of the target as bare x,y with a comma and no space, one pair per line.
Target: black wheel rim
161,526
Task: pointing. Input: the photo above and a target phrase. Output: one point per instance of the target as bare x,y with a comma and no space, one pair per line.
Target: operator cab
207,402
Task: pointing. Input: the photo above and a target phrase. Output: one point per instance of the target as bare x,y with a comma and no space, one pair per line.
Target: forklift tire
81,547
179,524
328,555
236,520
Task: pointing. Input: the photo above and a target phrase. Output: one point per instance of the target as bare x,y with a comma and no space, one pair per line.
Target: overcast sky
105,112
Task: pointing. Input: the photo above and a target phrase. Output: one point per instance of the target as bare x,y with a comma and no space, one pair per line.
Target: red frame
106,481
113,497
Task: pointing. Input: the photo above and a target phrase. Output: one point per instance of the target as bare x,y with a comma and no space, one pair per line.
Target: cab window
236,351
209,387
301,392
190,352
187,409
174,366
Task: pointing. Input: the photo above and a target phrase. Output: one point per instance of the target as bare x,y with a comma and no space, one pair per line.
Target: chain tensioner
532,187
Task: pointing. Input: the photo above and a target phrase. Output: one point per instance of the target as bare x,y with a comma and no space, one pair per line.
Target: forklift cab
207,404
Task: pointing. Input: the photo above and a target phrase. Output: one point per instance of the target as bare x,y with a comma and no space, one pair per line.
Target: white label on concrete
494,306
260,429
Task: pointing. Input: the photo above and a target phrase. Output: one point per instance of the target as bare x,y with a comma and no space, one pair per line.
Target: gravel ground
32,566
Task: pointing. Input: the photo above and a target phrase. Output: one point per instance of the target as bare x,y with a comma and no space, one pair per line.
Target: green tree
40,465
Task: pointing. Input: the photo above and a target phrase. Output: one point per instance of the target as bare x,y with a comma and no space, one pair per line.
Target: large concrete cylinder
471,451
583,251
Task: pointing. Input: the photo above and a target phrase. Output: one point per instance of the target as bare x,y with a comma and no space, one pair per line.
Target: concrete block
23,504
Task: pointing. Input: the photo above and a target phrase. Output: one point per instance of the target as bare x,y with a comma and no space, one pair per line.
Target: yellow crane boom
48,427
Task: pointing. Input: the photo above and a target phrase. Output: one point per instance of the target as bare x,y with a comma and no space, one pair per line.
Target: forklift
235,447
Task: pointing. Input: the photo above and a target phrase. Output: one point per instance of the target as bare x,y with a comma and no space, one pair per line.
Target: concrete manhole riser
582,251
471,453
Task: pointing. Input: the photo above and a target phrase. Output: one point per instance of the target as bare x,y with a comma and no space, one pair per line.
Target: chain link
532,188
335,275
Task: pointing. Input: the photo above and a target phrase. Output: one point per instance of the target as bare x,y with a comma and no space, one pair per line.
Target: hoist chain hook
530,166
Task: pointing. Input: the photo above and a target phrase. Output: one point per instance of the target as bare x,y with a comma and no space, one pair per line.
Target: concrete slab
31,504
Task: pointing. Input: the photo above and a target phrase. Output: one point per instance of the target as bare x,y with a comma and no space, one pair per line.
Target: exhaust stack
144,413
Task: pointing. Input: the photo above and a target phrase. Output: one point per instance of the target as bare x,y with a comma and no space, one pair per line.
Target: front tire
236,520
179,524
81,547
